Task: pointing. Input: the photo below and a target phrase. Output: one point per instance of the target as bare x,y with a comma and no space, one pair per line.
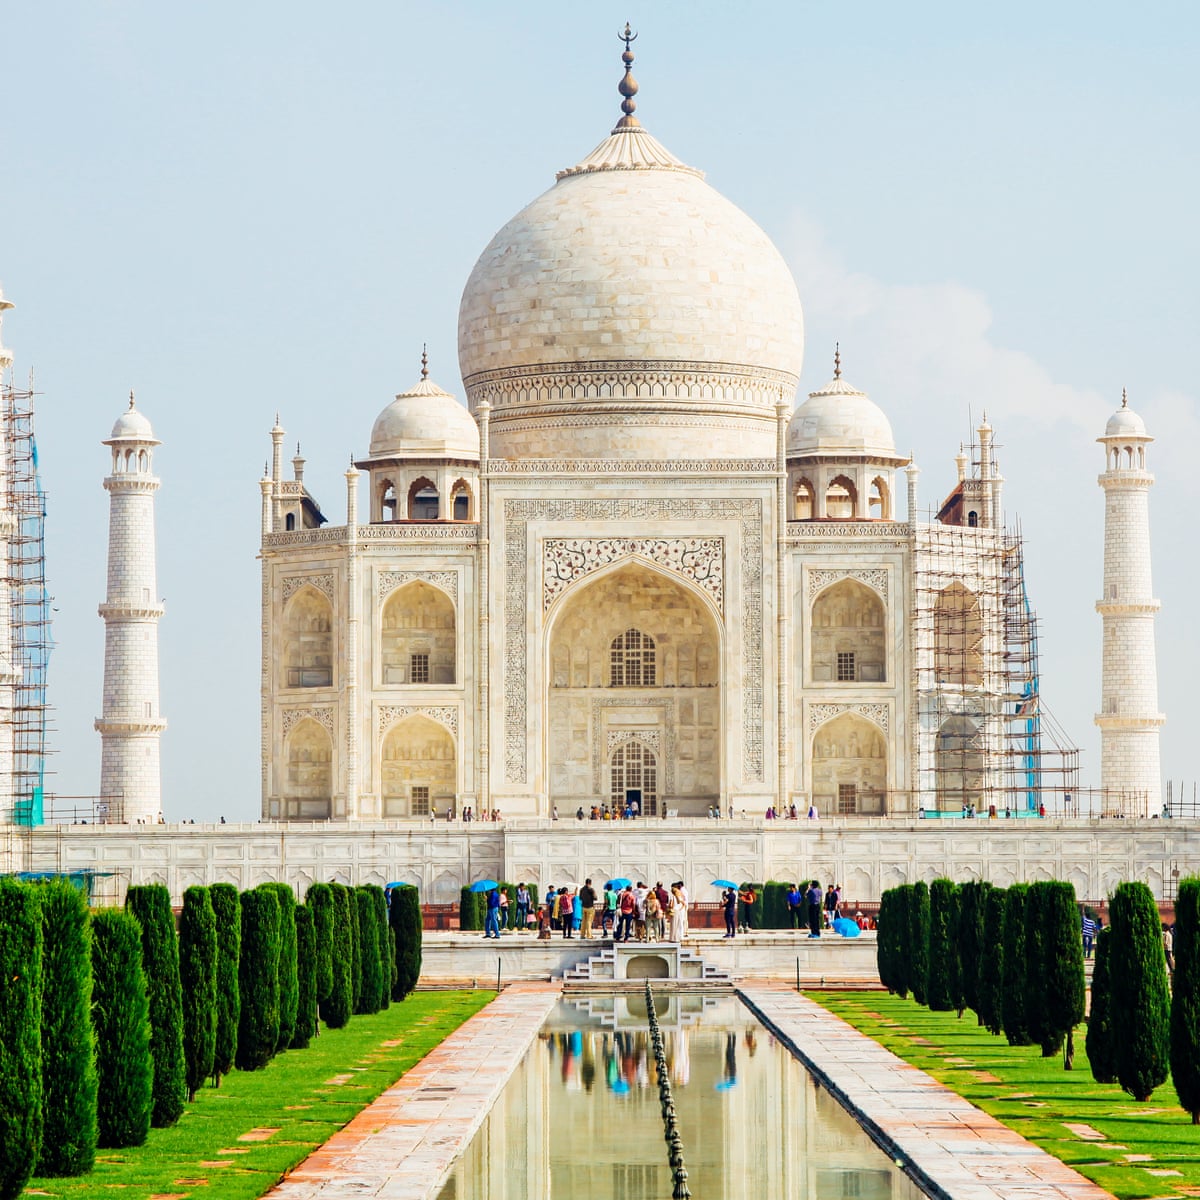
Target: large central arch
634,652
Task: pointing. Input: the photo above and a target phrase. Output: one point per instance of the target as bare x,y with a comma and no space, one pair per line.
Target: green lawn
1149,1149
237,1141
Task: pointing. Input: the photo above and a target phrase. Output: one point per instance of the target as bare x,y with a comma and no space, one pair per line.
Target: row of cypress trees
1012,955
110,1021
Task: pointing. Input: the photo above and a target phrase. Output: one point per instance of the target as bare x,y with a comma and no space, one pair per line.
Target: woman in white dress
677,912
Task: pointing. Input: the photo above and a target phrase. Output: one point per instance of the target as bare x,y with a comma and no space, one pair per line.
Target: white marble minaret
131,725
1129,718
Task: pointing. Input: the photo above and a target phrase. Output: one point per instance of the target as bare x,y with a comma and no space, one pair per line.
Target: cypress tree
20,1035
898,939
1185,998
337,1007
884,958
972,905
121,1018
944,987
69,1098
319,898
355,944
387,945
468,910
289,997
1037,1016
227,911
1141,1005
1063,982
1099,1043
198,979
151,904
258,979
406,924
991,962
1013,992
306,978
370,956
918,942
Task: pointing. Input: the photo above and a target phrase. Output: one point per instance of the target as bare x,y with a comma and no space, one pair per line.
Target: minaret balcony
115,611
1120,608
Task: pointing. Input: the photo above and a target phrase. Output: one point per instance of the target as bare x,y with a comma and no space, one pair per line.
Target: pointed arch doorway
633,778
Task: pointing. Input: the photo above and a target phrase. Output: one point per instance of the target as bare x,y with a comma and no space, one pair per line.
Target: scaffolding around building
988,745
28,603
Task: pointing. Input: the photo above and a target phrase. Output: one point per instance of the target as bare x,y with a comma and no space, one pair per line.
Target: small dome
1125,423
132,425
839,419
425,422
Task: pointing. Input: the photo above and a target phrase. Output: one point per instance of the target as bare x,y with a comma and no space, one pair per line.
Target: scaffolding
28,605
988,745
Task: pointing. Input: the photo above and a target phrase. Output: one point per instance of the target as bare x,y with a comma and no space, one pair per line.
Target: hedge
69,1098
151,904
944,986
405,919
472,909
121,1019
775,913
306,978
20,1035
319,898
288,987
337,1006
258,979
198,979
227,911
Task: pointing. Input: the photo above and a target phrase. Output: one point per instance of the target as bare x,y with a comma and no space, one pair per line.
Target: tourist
579,813
566,912
664,898
812,812
747,898
503,909
608,918
639,913
1168,940
654,922
576,913
729,905
1089,933
677,914
627,906
829,904
795,903
814,908
587,901
683,895
554,812
491,925
522,907
552,903
636,805
731,812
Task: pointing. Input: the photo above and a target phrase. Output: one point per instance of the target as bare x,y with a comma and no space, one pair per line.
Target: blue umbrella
619,883
484,885
846,927
725,883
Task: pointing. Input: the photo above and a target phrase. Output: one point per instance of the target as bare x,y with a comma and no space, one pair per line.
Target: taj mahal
634,572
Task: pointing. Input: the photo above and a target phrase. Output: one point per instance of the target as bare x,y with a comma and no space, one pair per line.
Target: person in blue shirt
491,926
795,903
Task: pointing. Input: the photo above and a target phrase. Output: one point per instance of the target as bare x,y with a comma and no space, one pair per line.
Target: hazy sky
235,208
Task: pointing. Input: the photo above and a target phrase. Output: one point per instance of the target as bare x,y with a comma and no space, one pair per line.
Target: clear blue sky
235,208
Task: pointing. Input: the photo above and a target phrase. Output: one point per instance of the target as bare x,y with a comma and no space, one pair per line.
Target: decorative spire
628,86
424,361
1124,399
131,399
837,360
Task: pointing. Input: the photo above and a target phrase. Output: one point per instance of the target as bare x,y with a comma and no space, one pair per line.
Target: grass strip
1131,1150
238,1140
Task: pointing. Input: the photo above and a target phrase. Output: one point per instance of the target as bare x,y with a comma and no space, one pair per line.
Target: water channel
580,1117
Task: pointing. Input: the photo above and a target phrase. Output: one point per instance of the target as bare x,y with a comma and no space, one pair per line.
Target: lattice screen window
847,798
845,666
632,660
420,801
419,668
635,768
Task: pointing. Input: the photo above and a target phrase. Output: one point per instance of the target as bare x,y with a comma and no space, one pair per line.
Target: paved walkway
952,1149
400,1147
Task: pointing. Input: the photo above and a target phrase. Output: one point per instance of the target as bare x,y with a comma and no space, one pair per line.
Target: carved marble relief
293,583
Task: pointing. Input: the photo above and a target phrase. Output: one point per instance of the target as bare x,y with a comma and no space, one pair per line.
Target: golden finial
837,360
628,86
131,399
1124,399
424,361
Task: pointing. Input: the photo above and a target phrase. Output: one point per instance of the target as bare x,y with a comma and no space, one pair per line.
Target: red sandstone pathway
969,1154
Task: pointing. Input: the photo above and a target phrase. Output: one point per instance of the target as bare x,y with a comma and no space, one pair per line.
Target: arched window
841,498
289,522
632,660
958,637
423,501
308,640
973,519
805,501
460,501
635,777
881,500
387,500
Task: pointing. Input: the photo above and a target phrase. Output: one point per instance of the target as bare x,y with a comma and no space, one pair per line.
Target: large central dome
631,311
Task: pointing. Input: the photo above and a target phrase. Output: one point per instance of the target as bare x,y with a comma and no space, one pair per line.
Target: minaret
130,728
1129,718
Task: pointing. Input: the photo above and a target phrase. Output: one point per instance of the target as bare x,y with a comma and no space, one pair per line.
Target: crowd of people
625,912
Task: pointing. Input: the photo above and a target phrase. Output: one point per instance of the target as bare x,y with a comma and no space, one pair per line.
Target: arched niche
848,621
849,766
633,774
958,765
804,501
462,501
308,790
417,636
418,768
880,500
958,637
841,498
308,640
424,503
586,715
387,500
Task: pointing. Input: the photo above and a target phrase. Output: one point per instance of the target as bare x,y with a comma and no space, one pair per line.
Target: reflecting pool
580,1117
